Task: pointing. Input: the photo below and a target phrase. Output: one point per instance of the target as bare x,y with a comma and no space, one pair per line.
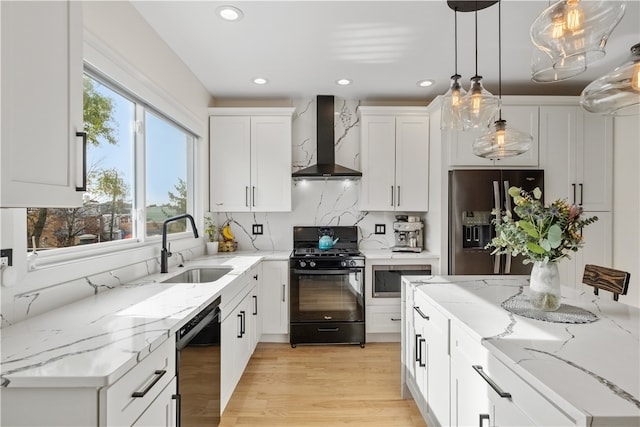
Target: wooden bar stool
605,278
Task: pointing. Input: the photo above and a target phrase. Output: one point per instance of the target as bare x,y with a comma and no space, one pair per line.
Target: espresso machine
408,234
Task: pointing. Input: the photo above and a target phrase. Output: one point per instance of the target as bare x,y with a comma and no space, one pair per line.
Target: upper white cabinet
579,156
521,117
41,92
250,159
395,159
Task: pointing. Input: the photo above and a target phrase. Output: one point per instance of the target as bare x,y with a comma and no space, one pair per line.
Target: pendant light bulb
450,115
500,142
479,106
574,15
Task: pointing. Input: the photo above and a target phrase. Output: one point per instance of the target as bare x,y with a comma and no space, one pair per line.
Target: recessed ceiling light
229,13
260,81
343,82
425,83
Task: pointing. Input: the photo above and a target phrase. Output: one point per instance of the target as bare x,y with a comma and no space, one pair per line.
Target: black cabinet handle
398,197
489,381
424,316
395,319
328,329
253,196
574,193
84,161
178,400
255,277
422,363
581,194
240,317
158,374
417,356
392,195
482,418
246,196
284,291
243,317
255,305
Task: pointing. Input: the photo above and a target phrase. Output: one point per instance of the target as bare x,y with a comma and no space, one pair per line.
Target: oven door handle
328,271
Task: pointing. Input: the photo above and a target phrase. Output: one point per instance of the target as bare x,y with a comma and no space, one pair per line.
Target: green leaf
537,193
514,191
545,245
555,236
535,248
528,228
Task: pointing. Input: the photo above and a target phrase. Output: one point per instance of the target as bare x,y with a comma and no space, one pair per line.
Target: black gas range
326,287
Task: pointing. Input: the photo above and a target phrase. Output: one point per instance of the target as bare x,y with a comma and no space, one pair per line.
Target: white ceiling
385,47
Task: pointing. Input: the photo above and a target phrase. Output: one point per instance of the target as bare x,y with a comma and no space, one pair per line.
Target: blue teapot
326,242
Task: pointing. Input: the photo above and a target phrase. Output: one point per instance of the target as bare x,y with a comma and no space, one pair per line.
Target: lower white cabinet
163,411
123,402
238,334
152,381
275,299
456,381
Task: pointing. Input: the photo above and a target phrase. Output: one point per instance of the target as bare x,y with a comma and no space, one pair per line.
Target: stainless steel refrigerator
473,194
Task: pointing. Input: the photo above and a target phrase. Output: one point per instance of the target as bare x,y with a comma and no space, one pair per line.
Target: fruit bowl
228,246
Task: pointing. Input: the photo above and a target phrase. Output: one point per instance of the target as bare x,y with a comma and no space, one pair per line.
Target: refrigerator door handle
507,204
497,201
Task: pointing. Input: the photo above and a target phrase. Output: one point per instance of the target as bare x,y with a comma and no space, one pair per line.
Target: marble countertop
94,341
593,368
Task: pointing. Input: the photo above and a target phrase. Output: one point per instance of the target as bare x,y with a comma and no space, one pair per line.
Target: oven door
327,295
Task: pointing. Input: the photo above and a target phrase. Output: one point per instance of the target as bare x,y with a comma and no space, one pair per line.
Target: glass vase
544,286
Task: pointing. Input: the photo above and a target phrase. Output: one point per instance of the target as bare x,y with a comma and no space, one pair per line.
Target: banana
227,234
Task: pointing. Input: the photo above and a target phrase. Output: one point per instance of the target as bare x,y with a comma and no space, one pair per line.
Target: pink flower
574,211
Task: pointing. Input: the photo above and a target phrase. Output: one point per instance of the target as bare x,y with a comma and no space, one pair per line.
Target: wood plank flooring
322,386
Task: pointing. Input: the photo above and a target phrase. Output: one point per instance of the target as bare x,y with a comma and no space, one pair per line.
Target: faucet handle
169,249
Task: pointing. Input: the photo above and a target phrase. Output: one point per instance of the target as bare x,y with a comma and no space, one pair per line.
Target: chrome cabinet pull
489,381
158,374
482,418
84,161
424,316
398,204
246,196
253,196
391,204
328,329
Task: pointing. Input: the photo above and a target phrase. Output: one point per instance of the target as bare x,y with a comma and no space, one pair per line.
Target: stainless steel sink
199,275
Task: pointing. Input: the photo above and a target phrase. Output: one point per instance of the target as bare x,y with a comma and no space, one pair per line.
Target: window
126,139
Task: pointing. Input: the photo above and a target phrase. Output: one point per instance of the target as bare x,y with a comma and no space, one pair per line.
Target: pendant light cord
455,25
500,57
476,13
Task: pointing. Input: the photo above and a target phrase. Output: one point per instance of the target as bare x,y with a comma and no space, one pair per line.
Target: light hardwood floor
322,386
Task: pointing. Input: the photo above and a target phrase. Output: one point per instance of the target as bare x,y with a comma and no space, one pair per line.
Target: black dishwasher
198,369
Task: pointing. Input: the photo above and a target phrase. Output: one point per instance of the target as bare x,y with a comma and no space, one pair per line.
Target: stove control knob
312,264
303,264
343,263
352,263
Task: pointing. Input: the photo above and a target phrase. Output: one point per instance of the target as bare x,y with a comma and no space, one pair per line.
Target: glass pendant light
618,92
450,116
571,28
479,106
501,141
545,69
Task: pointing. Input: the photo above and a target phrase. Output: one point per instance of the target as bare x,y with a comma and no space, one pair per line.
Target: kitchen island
547,373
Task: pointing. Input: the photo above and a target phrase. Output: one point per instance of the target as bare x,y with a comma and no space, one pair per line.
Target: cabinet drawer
384,319
118,406
541,411
436,320
464,345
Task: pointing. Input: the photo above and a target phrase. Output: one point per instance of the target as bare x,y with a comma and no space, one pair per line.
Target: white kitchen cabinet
275,301
521,117
41,155
250,159
238,334
256,318
154,377
394,154
163,411
579,156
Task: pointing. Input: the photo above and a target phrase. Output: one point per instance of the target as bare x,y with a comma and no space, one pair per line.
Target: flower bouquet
543,234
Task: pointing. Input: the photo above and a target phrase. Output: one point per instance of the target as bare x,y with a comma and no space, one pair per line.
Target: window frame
56,256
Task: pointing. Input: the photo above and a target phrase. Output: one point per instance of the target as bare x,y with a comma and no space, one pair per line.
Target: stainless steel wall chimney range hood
325,140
